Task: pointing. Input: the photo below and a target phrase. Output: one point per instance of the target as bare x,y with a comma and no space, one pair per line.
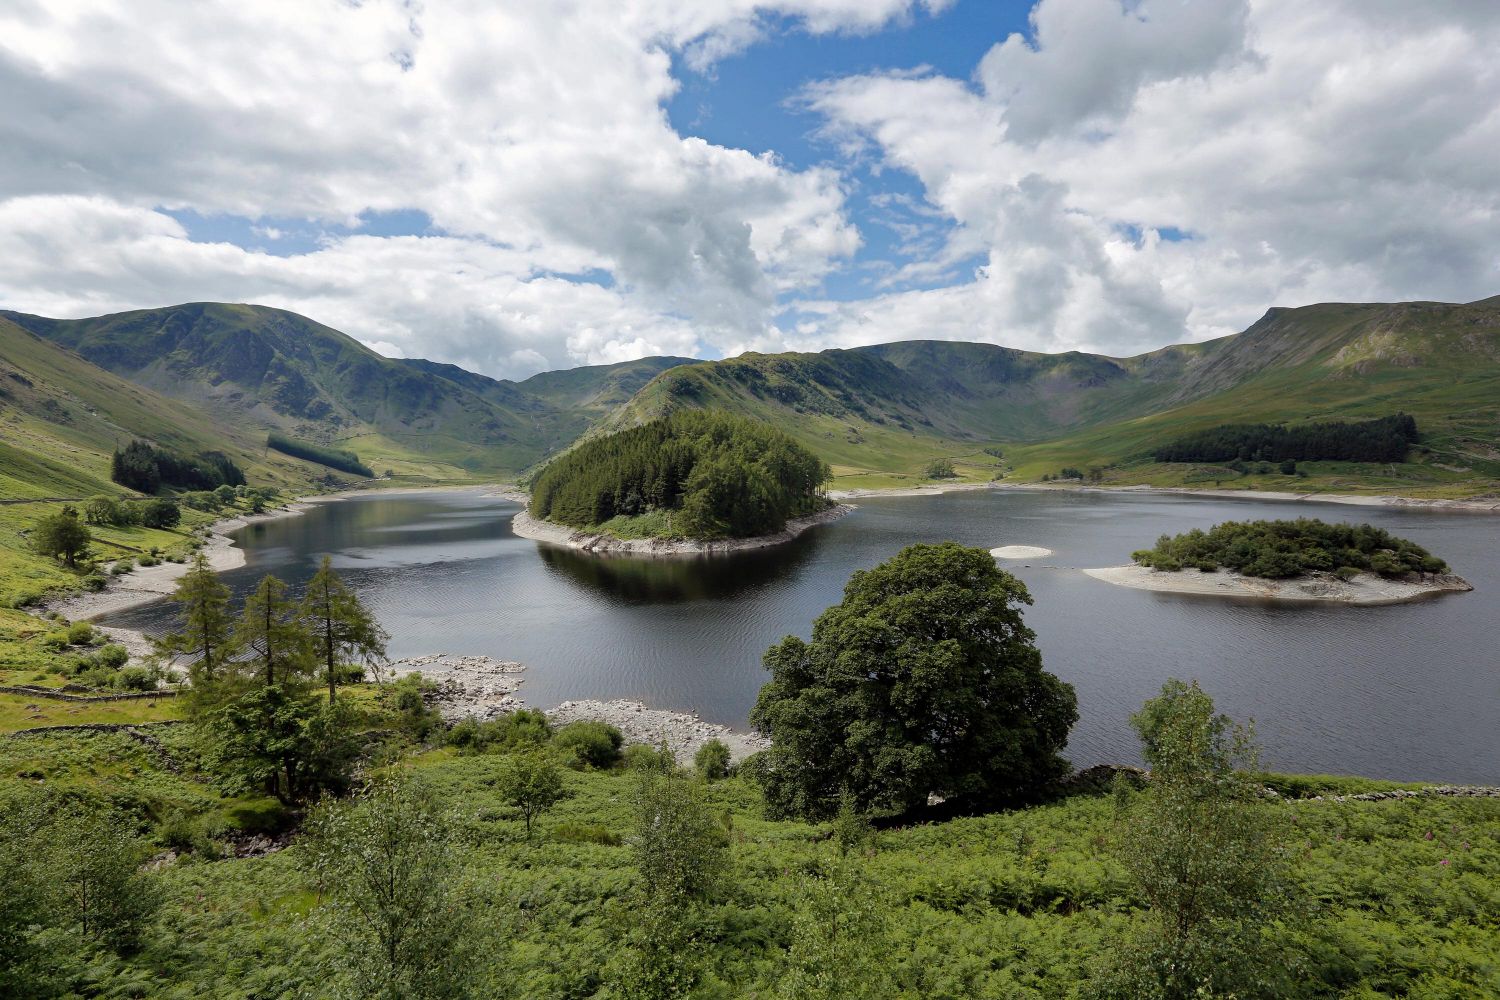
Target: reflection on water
677,580
1410,691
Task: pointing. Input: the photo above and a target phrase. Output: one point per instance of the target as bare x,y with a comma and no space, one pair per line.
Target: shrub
593,744
939,468
524,727
113,656
95,582
80,634
712,760
640,757
135,679
56,642
160,514
464,735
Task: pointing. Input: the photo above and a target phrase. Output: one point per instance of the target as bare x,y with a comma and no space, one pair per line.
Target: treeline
334,458
1278,549
1385,439
723,476
147,469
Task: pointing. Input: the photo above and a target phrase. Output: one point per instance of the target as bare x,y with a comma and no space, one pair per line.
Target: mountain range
215,375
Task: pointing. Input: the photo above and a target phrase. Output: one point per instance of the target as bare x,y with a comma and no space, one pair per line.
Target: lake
1410,691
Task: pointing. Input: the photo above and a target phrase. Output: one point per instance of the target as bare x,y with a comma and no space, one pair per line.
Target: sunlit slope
886,410
273,369
62,417
1438,362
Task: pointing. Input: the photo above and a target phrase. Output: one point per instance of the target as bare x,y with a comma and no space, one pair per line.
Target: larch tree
342,628
208,631
270,629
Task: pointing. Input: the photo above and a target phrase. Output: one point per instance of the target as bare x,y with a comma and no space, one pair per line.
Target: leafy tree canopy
1278,549
924,679
724,476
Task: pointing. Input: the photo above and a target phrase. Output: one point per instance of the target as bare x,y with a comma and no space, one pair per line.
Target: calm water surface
1410,691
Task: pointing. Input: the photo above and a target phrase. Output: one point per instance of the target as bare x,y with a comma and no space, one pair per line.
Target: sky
516,187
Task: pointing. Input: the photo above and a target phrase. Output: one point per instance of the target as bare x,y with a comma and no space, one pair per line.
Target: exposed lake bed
1405,691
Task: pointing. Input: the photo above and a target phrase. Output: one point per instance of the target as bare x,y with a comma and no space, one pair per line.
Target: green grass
1403,895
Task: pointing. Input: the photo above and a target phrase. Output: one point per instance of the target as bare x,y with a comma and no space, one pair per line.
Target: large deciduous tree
923,680
342,628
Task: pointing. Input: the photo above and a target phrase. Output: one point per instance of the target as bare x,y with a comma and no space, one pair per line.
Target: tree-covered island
694,475
1305,559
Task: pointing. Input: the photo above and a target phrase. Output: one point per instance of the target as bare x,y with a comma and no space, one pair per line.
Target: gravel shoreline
1366,589
526,526
484,688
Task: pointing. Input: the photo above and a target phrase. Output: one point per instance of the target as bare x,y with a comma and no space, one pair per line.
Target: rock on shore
536,529
1364,589
477,686
683,733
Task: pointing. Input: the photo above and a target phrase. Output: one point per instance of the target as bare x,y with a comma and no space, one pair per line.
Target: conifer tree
208,630
269,628
342,628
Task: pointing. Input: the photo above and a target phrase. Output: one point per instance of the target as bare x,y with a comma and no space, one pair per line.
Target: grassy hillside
61,418
1022,903
273,369
879,414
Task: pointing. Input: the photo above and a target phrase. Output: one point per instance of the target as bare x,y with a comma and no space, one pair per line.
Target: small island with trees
693,482
1302,560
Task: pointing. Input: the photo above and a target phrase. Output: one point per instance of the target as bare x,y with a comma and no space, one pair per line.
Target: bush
135,679
160,514
939,468
463,735
80,634
640,757
593,744
95,582
113,656
56,642
524,727
712,760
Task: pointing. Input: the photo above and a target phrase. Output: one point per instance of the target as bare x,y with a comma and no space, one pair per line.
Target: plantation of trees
334,458
1382,440
145,468
718,475
1277,549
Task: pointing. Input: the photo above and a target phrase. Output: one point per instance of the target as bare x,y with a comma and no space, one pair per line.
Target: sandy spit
1020,552
544,531
1365,589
